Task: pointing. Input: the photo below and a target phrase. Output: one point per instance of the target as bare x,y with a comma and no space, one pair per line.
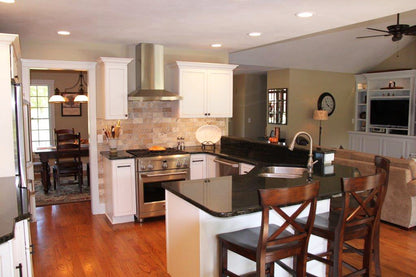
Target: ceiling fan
396,31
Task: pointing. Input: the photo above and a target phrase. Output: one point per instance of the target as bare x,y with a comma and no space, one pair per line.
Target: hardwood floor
69,241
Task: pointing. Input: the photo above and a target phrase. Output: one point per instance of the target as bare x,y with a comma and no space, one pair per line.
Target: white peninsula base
192,246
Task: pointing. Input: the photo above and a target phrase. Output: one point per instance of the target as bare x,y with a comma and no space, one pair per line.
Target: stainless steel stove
152,169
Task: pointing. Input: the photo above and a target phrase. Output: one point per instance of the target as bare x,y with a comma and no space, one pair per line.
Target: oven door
151,198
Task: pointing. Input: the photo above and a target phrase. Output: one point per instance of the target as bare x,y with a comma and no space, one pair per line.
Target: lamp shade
57,97
320,115
81,98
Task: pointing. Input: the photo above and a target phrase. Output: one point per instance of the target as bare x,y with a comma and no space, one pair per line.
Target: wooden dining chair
68,159
357,218
63,131
269,243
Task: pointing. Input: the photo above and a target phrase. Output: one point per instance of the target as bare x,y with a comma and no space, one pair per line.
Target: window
40,113
277,106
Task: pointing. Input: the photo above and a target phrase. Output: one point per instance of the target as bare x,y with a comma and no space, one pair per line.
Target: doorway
27,65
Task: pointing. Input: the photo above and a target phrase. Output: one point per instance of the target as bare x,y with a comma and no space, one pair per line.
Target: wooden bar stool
357,218
269,243
382,165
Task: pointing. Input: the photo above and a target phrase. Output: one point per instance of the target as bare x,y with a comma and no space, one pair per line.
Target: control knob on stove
184,164
149,166
142,167
178,163
164,164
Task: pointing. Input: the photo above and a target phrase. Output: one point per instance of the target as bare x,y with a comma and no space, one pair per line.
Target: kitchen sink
282,172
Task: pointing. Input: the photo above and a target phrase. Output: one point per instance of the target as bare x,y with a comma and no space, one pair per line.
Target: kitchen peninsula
198,210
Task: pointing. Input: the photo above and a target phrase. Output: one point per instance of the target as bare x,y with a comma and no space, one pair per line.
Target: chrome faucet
310,163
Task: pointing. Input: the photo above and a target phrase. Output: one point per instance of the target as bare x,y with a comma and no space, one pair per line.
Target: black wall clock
326,102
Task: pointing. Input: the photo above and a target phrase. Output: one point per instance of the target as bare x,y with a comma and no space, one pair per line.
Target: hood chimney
150,75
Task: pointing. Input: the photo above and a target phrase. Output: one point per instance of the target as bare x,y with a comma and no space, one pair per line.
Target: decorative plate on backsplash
208,133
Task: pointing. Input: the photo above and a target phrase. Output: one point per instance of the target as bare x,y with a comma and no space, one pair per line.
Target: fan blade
378,30
374,36
411,31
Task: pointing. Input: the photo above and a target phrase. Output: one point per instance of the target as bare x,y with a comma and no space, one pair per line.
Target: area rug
66,193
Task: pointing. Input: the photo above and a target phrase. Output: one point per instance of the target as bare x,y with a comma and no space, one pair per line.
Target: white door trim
27,64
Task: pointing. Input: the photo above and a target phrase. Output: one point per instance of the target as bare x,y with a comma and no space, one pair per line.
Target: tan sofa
400,203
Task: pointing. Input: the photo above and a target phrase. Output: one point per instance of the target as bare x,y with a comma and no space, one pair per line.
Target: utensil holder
112,143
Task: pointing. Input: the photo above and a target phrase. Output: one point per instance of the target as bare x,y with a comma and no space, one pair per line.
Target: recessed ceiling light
216,45
304,14
64,33
7,1
254,34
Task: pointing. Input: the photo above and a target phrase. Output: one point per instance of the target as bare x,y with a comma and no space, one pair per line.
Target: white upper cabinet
206,88
112,88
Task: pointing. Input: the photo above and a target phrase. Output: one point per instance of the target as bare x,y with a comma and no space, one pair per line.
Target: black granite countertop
236,195
13,206
119,155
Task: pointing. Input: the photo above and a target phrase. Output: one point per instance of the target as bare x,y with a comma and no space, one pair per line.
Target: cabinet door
116,86
356,142
21,249
198,167
211,166
6,259
219,96
192,88
393,147
372,145
124,191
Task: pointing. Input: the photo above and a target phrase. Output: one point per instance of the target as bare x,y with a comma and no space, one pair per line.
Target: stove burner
140,153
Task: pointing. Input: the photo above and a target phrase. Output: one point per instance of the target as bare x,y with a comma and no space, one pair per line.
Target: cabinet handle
197,161
20,269
120,166
32,247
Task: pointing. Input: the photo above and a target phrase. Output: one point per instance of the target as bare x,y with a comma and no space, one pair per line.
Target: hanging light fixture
81,97
57,97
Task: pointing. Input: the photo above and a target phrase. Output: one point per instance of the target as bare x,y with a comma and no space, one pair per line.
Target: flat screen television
389,113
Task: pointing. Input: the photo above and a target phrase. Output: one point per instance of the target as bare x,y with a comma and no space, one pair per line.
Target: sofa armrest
411,187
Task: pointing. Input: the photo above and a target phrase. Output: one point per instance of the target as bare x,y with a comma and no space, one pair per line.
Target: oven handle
225,162
162,174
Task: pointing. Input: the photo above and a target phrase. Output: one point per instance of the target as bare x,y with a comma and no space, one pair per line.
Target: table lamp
320,115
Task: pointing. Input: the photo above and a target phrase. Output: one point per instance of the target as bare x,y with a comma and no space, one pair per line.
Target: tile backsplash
154,123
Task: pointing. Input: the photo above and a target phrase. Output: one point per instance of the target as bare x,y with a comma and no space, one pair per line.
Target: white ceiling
199,23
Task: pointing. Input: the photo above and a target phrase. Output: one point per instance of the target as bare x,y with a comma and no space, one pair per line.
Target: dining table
49,152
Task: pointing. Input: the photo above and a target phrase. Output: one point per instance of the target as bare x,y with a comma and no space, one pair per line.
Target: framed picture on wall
70,108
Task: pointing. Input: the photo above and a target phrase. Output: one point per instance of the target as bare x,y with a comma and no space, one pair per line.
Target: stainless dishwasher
226,167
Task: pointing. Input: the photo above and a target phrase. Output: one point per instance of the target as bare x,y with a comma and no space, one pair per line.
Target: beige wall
65,79
403,59
249,106
304,88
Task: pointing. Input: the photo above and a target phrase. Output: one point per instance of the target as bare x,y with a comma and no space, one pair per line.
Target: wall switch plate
99,138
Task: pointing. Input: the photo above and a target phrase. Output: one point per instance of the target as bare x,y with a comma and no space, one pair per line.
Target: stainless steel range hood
150,75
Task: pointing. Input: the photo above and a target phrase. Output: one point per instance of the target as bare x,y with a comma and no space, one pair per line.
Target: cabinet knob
205,114
126,115
209,114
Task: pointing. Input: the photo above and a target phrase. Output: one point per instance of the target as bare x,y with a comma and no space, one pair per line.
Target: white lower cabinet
120,190
396,146
198,166
6,259
15,254
22,258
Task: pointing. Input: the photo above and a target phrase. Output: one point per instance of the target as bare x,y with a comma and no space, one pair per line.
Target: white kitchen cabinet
6,259
15,254
112,88
206,88
396,146
198,166
22,258
245,168
120,190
